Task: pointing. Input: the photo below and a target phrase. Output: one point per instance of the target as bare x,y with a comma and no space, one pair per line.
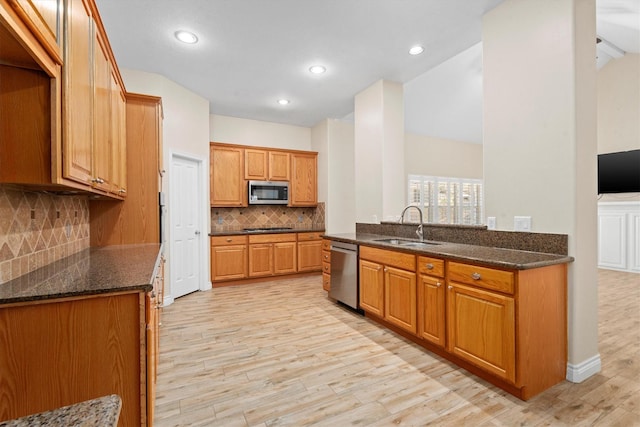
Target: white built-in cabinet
619,236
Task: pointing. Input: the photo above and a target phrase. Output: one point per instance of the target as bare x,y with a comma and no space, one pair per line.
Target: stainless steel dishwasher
344,273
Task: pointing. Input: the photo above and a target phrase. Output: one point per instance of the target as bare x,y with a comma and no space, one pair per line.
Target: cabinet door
304,180
279,166
101,116
152,355
43,18
227,177
431,309
481,329
310,255
372,287
118,138
77,124
261,260
284,257
228,262
255,164
400,298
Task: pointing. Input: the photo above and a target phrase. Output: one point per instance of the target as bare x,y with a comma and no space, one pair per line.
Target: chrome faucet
419,230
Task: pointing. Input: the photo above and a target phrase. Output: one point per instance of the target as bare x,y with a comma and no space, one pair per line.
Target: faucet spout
419,231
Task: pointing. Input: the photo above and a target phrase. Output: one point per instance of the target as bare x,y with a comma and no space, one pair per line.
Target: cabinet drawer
326,255
488,278
389,258
326,281
326,267
228,240
431,266
272,238
326,245
310,236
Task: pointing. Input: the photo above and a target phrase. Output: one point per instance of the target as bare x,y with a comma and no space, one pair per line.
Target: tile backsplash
39,228
230,219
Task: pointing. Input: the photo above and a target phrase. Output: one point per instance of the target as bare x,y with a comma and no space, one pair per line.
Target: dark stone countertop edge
253,233
105,270
102,411
492,257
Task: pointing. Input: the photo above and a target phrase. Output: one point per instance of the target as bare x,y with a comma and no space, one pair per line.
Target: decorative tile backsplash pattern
231,219
38,228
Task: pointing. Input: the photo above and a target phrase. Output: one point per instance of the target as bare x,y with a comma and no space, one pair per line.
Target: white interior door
185,222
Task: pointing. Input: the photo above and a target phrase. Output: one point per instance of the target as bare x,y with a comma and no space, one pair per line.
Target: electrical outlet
67,229
522,223
299,218
491,223
219,220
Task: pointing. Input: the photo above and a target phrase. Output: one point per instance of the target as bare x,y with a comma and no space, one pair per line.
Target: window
446,200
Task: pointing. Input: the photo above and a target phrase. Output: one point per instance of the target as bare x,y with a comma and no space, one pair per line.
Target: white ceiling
253,52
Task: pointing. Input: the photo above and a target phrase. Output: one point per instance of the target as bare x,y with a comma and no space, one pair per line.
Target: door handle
197,232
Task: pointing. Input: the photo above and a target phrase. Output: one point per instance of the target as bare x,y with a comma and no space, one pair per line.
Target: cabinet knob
438,284
122,191
476,276
386,269
326,257
429,266
450,287
228,240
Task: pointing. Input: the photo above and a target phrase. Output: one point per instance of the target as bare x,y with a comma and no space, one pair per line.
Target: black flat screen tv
619,172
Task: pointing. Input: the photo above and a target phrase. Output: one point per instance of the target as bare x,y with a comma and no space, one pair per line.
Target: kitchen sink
405,242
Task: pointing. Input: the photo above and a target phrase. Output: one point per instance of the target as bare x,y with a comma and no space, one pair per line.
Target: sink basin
405,242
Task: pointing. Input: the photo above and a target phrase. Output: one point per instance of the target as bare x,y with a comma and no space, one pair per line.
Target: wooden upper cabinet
255,164
118,138
264,165
279,166
77,92
227,176
304,179
43,18
102,116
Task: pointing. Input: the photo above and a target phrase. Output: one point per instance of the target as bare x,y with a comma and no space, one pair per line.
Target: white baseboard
168,300
207,286
582,371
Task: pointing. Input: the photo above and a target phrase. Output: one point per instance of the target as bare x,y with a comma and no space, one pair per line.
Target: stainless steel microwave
268,192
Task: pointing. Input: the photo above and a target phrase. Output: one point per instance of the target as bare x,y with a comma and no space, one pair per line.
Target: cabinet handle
476,276
98,180
429,266
326,257
326,269
122,191
228,240
386,269
450,287
438,284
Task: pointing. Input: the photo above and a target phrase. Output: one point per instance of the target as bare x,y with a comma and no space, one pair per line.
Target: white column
380,185
539,114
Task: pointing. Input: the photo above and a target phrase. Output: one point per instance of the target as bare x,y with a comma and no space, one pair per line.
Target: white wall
539,114
185,131
619,111
233,130
427,155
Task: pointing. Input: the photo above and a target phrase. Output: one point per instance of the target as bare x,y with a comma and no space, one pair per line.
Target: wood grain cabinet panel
58,353
304,180
309,255
255,164
102,117
400,298
43,17
431,309
279,166
372,287
260,259
228,257
284,257
228,186
481,329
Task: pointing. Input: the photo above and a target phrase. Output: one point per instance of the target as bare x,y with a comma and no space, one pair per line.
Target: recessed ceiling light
416,50
317,69
283,101
186,37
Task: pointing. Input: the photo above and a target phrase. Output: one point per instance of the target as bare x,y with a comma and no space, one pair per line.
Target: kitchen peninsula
500,313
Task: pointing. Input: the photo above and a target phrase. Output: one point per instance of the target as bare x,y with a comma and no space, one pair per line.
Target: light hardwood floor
281,354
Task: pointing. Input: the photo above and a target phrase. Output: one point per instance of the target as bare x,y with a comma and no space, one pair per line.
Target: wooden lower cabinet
507,326
228,257
309,251
481,329
431,300
284,257
326,265
261,259
271,254
61,352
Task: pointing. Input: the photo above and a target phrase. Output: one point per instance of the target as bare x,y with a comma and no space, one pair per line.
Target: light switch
522,223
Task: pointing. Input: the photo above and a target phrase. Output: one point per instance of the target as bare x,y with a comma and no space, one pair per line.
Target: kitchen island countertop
489,256
89,272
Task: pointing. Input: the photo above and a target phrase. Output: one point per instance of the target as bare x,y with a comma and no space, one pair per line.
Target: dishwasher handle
344,251
346,248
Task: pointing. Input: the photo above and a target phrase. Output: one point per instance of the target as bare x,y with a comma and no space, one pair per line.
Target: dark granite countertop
265,231
100,412
492,257
89,272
